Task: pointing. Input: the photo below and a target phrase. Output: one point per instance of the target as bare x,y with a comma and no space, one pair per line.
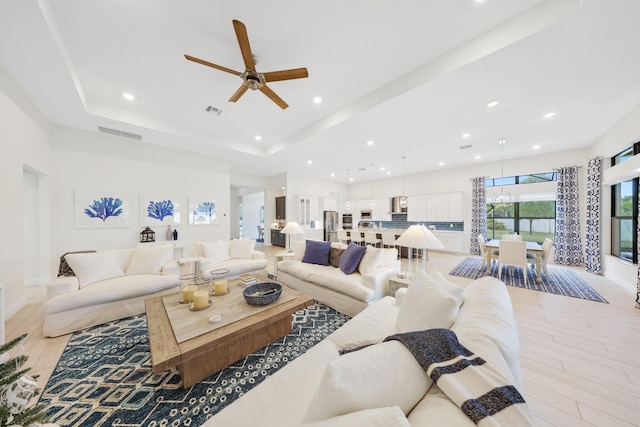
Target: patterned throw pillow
334,256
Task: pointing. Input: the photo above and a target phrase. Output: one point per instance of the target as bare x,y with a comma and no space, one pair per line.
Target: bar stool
388,240
356,237
343,237
371,238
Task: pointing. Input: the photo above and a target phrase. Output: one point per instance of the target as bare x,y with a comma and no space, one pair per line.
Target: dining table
534,248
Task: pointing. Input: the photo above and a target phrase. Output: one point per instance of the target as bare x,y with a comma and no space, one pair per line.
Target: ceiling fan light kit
251,79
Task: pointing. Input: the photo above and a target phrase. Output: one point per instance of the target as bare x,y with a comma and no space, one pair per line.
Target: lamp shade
419,237
292,228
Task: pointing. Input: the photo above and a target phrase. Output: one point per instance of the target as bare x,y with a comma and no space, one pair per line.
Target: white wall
88,161
24,139
622,135
251,204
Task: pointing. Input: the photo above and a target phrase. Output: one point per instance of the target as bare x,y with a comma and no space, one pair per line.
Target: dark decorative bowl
262,293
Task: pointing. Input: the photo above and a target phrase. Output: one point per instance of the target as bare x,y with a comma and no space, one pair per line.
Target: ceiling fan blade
241,90
212,65
296,73
272,95
243,41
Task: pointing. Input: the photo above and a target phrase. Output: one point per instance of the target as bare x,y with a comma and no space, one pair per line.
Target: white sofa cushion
111,290
370,260
241,248
216,251
94,266
426,306
149,260
377,376
380,417
455,290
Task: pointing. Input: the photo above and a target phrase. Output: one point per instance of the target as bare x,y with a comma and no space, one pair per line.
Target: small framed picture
202,211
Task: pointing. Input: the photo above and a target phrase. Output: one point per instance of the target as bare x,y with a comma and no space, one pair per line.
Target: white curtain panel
593,259
478,213
568,244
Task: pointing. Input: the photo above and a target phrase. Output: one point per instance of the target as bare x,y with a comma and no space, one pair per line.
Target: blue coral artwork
95,209
202,211
160,210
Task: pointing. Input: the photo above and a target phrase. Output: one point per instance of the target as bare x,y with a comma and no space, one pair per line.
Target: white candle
187,292
200,299
220,287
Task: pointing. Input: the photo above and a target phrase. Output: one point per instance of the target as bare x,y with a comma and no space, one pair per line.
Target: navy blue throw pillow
317,252
351,258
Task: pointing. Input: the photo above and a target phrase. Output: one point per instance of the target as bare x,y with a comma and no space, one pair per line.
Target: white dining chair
371,238
513,253
483,251
356,237
388,240
343,237
547,246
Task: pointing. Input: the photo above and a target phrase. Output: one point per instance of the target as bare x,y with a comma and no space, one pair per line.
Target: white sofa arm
257,255
379,281
62,285
401,293
171,267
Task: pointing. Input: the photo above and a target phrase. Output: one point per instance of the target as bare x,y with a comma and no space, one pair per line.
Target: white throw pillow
379,417
149,260
241,248
370,260
426,306
389,258
215,251
94,267
455,290
377,376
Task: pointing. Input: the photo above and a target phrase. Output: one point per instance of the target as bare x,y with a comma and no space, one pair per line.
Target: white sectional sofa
377,385
236,255
346,293
108,285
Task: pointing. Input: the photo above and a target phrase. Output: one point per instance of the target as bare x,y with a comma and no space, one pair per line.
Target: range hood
399,204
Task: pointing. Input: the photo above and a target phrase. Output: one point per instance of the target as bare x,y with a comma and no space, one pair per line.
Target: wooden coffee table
203,355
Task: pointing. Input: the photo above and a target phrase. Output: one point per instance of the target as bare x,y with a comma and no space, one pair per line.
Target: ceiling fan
251,79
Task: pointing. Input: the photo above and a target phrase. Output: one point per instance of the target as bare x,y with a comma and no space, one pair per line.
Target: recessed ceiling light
309,162
478,156
492,104
549,115
388,172
283,188
317,100
332,174
351,179
128,96
441,164
370,143
466,135
536,147
258,138
381,168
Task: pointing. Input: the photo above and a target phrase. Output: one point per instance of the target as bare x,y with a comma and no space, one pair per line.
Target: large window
624,220
534,221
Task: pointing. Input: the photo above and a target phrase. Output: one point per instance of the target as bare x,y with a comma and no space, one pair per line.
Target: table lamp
418,237
292,228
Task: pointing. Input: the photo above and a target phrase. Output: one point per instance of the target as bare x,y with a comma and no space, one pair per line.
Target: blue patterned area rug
104,375
562,281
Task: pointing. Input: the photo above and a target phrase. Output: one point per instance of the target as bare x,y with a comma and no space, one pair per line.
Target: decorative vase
175,234
169,233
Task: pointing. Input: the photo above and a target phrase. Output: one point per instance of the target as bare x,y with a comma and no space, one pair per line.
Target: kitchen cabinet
281,207
445,207
455,208
417,208
382,209
277,238
308,210
328,204
452,240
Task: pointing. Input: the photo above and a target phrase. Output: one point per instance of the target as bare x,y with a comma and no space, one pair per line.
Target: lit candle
220,287
187,292
200,299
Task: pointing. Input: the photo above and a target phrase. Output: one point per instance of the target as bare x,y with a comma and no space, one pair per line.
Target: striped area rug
562,281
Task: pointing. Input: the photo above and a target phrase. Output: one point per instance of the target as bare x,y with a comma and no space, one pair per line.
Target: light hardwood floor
579,361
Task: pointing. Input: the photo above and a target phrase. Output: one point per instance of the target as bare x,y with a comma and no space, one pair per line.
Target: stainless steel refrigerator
331,224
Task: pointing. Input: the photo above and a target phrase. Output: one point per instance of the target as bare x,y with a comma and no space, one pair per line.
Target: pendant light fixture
372,203
348,203
504,197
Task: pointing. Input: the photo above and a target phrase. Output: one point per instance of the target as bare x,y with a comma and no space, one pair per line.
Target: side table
280,256
396,283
